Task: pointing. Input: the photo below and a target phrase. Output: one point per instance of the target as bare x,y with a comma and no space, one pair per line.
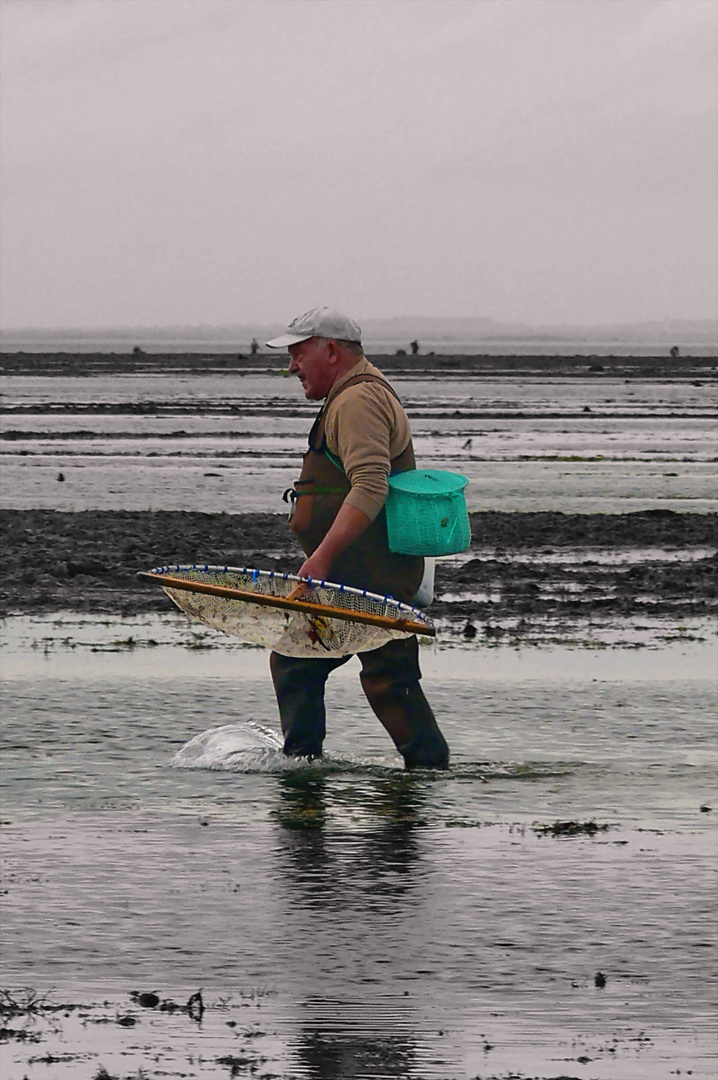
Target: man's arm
349,524
358,430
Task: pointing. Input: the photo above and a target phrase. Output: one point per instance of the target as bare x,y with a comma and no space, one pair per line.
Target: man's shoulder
362,371
367,392
367,368
364,380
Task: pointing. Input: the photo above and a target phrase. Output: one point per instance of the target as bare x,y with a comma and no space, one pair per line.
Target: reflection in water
337,893
302,800
333,1056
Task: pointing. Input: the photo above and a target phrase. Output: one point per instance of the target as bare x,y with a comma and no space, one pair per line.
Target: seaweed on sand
23,1002
570,828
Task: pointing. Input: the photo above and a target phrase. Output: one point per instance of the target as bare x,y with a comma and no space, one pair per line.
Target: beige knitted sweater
365,428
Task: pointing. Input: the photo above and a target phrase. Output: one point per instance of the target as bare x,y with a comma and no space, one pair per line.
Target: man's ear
333,351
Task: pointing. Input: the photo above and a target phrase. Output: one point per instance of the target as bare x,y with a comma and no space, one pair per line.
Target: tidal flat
544,909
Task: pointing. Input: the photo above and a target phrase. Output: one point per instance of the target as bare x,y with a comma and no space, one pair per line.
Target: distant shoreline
219,361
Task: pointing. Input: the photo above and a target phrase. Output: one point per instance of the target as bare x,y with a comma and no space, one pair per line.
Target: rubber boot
299,685
406,715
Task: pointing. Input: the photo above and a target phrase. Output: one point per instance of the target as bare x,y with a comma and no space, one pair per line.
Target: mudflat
527,565
159,362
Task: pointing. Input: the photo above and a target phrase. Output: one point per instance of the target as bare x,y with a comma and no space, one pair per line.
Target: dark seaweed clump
570,828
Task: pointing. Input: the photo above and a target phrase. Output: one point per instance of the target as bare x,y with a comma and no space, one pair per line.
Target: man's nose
293,365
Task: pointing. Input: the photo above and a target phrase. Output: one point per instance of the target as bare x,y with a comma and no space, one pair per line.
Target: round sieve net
259,607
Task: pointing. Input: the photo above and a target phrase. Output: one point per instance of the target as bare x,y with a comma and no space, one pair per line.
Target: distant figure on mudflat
675,352
254,347
414,348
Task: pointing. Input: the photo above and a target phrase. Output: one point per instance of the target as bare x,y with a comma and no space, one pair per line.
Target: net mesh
292,631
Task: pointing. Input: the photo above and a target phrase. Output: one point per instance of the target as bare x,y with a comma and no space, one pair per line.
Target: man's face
314,364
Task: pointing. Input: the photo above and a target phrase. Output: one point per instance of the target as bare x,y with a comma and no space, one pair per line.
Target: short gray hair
353,347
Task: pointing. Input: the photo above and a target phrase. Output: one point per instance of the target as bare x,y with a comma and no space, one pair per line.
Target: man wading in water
360,436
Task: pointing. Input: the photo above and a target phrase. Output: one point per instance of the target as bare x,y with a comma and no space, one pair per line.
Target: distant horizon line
484,326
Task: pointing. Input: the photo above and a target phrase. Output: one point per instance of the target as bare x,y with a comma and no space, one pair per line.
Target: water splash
245,747
249,747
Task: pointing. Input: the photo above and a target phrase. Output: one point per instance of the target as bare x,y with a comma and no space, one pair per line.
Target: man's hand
316,566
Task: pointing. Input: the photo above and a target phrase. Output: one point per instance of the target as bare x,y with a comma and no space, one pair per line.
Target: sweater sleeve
365,428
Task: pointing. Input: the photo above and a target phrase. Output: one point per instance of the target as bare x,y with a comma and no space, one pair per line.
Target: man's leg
299,685
390,679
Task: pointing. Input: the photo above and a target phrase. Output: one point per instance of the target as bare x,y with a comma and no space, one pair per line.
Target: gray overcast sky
190,161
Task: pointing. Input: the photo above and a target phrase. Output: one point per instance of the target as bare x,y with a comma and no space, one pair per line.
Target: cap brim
286,340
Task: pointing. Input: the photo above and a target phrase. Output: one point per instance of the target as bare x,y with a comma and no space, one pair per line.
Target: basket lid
428,482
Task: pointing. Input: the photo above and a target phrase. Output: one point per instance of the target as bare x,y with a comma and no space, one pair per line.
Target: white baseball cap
319,322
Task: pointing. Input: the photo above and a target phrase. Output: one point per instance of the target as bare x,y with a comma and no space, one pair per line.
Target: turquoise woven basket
426,513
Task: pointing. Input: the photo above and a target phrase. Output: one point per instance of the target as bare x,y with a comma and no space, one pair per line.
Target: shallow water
351,919
83,694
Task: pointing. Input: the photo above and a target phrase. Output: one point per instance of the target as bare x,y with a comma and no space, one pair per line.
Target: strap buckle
290,496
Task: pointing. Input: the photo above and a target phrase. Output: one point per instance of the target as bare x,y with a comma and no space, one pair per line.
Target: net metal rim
311,582
292,615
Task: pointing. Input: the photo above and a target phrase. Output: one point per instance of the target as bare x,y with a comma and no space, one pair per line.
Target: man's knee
376,686
396,663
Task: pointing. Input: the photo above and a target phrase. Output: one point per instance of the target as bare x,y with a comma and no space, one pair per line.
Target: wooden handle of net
406,626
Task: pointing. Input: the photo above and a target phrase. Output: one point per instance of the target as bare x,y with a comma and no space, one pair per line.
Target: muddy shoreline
521,565
238,363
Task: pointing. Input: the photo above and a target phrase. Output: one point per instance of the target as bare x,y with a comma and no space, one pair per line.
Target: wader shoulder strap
316,435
